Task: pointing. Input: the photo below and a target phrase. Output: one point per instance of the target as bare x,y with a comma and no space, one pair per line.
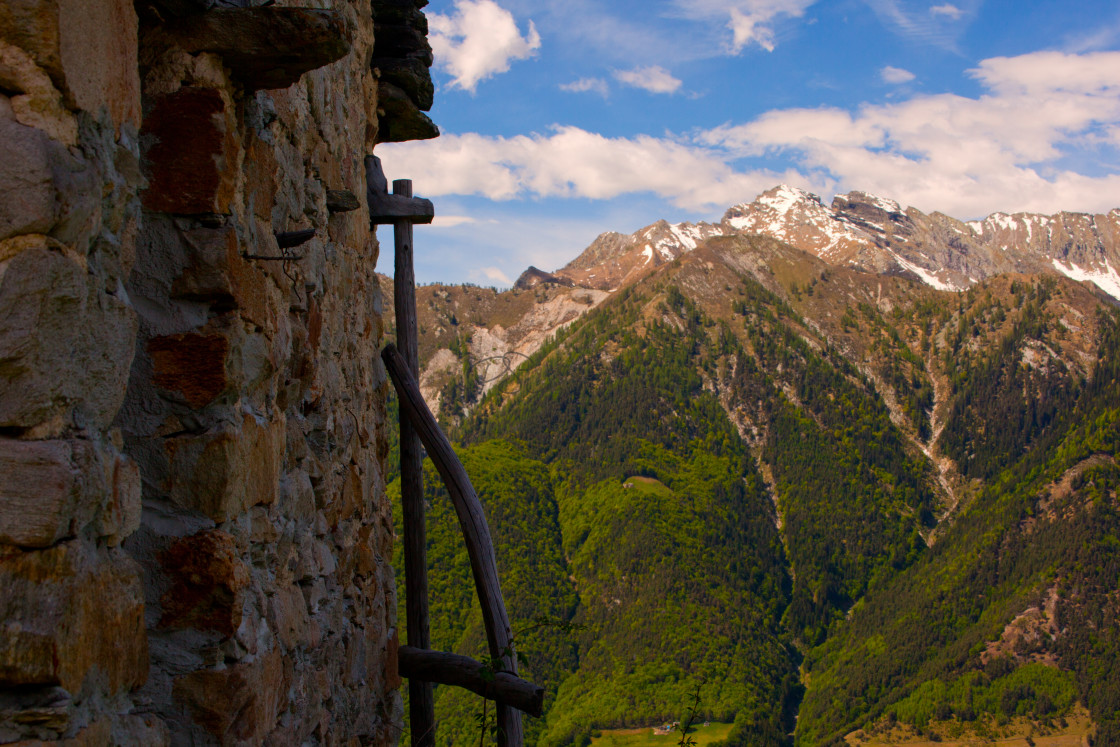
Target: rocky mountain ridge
873,234
876,238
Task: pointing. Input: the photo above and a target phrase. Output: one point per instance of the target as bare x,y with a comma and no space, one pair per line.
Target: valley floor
1019,733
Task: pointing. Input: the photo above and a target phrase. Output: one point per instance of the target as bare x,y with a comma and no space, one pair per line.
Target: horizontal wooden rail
472,520
462,671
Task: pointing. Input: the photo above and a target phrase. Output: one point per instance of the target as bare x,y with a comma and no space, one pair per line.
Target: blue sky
562,119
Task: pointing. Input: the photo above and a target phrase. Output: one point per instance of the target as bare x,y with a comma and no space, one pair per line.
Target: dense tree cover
666,522
901,368
615,381
680,581
852,498
1008,395
521,510
913,647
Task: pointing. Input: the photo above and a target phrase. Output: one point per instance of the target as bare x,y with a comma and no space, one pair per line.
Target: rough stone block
224,473
27,194
125,731
215,271
405,12
70,612
411,76
39,490
402,41
64,344
401,119
89,48
36,102
50,490
289,617
240,703
392,661
120,514
191,365
266,47
192,154
207,580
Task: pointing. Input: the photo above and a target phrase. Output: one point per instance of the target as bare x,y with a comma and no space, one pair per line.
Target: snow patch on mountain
1107,279
927,277
877,235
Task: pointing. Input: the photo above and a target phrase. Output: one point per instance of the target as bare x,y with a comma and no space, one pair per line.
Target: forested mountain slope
778,478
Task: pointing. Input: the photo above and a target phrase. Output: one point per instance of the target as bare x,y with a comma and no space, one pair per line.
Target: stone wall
194,535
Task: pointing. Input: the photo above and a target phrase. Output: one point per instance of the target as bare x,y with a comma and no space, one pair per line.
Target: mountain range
848,473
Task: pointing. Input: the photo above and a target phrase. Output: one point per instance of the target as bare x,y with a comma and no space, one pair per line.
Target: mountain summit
877,235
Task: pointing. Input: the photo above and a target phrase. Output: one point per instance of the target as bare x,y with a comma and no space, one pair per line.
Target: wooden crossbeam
463,671
391,209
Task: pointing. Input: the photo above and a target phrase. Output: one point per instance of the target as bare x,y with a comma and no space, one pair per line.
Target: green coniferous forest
824,510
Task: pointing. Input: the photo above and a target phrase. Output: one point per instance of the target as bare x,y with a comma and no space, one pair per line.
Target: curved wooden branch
463,671
480,548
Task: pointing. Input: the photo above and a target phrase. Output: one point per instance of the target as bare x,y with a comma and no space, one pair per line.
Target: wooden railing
418,426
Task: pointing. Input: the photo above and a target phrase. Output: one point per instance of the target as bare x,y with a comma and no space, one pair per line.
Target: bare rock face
880,236
533,277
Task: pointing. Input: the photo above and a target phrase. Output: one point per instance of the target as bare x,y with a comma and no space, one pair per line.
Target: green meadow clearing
702,735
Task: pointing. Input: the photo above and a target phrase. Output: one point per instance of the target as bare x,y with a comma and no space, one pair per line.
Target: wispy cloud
751,22
654,79
896,75
935,25
1104,37
586,85
478,40
452,221
965,156
492,274
947,10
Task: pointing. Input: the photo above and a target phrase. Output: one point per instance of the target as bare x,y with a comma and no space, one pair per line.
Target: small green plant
691,714
492,665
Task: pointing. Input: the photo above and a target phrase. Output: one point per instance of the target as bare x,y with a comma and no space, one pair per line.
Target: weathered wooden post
401,210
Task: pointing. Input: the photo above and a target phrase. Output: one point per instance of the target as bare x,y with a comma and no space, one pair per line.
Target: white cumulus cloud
571,162
478,40
585,85
964,156
895,75
654,79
